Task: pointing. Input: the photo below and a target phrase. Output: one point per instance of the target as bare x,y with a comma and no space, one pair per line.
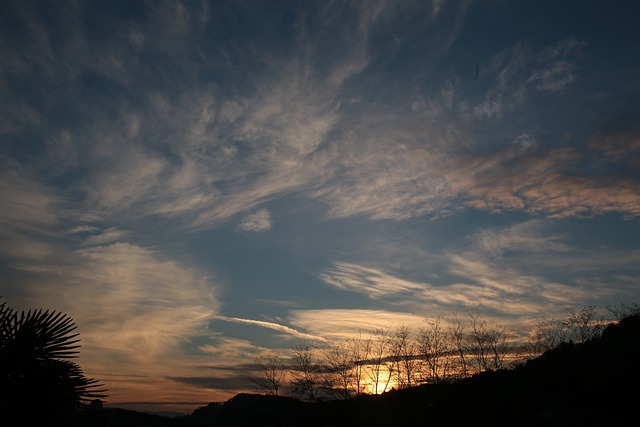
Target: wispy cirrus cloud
539,181
510,291
134,309
618,143
28,204
479,285
30,213
493,273
231,385
133,300
400,180
338,324
409,167
556,66
109,235
526,237
531,267
201,156
275,326
257,221
374,282
518,70
227,351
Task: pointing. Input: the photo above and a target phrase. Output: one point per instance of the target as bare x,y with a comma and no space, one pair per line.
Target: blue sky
197,183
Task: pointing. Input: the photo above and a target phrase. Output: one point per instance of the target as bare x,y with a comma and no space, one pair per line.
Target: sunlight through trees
444,348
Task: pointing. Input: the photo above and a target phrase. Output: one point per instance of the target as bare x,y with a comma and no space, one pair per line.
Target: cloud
527,268
387,287
278,136
275,326
203,157
134,178
227,351
235,384
584,197
256,222
28,204
518,69
30,212
530,287
617,143
475,280
539,181
509,291
390,170
371,281
553,78
555,66
201,154
109,235
420,163
16,245
337,324
529,237
134,310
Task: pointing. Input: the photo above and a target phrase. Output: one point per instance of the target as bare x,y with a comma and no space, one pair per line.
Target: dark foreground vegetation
39,380
590,383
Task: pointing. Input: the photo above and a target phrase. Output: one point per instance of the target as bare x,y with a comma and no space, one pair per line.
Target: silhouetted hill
254,410
575,384
116,417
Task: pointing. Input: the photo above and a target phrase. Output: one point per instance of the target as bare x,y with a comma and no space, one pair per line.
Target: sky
197,183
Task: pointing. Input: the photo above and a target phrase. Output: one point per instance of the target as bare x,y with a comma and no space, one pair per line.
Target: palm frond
35,348
7,319
51,332
84,388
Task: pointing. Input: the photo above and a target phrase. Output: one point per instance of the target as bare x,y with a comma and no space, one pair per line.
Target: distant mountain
593,383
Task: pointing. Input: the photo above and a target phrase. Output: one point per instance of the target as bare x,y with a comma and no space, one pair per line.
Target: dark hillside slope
254,410
116,417
582,384
572,385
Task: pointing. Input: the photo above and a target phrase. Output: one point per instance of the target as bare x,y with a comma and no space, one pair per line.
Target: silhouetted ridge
591,383
117,417
253,409
573,384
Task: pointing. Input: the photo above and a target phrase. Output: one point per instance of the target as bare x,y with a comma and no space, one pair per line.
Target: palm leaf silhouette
35,367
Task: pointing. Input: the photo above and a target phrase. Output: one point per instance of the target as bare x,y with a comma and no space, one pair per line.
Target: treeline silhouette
441,349
589,377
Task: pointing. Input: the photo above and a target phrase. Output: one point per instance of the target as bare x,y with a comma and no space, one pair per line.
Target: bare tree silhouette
488,343
339,375
404,355
583,324
435,344
379,366
306,373
445,349
457,333
273,371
